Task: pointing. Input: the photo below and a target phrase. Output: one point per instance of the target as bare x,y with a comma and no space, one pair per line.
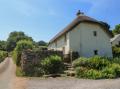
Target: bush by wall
97,68
52,65
21,45
116,51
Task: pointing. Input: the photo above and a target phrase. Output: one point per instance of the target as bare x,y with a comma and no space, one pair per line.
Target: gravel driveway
72,83
8,80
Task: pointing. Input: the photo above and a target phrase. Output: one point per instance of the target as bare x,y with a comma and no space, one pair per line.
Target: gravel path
8,80
6,74
72,83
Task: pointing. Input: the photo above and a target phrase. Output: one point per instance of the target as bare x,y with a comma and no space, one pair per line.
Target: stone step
72,69
70,73
67,64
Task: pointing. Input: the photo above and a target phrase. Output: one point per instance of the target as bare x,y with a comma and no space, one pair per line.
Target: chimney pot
79,13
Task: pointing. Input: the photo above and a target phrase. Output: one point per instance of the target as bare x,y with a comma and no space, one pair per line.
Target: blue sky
42,19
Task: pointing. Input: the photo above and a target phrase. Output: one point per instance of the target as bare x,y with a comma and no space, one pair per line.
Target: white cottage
84,35
115,40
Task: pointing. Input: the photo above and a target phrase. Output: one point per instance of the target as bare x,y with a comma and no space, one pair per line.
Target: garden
40,62
53,64
89,68
97,68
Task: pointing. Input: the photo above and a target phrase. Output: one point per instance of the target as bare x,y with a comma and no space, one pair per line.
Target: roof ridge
75,22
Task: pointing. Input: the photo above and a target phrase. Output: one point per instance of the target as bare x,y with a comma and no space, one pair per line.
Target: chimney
79,13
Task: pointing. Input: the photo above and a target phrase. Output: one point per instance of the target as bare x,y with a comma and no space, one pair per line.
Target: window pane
94,33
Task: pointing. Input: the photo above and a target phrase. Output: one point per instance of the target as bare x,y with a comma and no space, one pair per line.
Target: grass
19,72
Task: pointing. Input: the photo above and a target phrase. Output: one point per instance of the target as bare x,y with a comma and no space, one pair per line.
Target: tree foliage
42,43
3,55
14,37
116,51
116,30
3,45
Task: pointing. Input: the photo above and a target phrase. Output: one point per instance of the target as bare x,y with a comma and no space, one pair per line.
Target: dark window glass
94,33
95,52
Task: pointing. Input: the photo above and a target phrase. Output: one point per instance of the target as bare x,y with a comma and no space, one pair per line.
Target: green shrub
3,55
34,70
108,73
21,45
38,71
82,72
19,72
97,67
116,51
98,62
83,62
93,62
52,65
93,74
116,68
115,60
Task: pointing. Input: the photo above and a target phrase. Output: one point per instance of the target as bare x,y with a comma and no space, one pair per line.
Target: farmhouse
116,40
84,35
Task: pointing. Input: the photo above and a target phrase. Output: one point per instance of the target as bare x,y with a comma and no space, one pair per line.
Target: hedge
3,55
21,45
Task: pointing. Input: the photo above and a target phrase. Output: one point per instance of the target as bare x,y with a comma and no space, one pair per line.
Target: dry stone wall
29,57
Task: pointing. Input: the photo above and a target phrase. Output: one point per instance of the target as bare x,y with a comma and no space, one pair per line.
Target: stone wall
29,57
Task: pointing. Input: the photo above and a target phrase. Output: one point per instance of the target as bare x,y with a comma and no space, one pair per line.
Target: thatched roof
79,19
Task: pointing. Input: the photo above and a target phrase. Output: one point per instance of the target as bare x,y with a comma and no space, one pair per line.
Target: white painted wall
115,40
60,44
52,46
83,41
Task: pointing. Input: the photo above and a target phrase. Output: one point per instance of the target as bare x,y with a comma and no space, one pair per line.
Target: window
94,33
95,52
65,39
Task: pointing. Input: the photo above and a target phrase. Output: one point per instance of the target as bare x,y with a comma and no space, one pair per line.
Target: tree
42,43
3,45
14,37
116,30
